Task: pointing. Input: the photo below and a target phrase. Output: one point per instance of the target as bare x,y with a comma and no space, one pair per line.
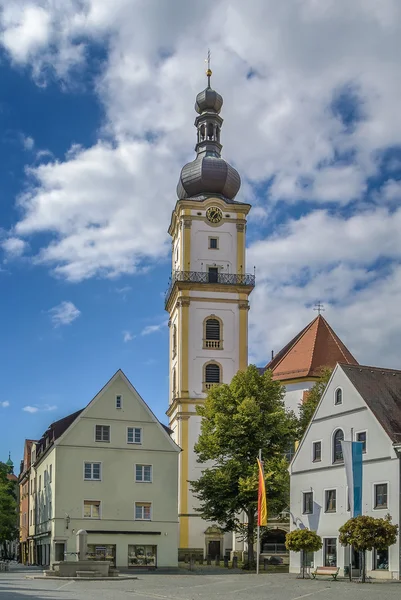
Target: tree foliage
303,540
365,533
8,506
237,420
307,409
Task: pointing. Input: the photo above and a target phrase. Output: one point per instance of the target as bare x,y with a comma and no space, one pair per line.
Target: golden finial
208,71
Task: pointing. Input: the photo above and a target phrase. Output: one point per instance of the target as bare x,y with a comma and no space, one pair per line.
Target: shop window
142,556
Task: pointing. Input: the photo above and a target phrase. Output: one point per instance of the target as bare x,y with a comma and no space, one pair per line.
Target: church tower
207,300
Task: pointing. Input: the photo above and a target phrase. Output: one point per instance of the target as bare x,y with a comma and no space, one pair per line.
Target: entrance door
214,549
213,273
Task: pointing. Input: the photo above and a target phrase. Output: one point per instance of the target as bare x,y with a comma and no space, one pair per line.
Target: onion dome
209,99
209,173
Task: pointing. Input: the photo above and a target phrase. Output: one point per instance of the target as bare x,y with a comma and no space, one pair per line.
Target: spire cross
319,307
209,71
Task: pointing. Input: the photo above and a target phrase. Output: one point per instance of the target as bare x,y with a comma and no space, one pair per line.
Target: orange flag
262,505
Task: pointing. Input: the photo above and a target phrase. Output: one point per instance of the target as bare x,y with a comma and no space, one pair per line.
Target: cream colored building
111,469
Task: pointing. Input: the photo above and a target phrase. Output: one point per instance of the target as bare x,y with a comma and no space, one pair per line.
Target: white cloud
14,247
287,129
28,142
128,336
39,408
5,404
64,313
154,328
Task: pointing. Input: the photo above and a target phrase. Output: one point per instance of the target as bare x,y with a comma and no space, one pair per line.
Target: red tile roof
316,346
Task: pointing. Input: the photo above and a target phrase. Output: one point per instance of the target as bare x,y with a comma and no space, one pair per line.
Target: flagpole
258,531
351,514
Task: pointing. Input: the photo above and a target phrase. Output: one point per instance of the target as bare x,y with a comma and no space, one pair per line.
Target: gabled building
24,502
360,404
299,363
111,469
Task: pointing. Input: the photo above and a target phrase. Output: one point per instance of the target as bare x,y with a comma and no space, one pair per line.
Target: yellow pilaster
186,240
241,245
243,332
184,519
183,304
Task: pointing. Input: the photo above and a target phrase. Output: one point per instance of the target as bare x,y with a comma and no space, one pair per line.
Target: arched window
338,396
212,375
212,333
337,447
174,340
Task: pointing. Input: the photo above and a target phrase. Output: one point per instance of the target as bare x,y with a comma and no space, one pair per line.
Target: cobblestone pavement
189,586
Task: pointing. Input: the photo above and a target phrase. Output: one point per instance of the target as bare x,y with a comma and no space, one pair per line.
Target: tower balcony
211,277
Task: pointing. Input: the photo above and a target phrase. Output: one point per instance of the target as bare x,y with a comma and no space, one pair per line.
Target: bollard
235,562
265,563
208,559
191,562
217,561
226,561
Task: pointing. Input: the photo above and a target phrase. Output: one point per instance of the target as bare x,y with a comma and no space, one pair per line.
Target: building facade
207,302
112,470
24,502
359,404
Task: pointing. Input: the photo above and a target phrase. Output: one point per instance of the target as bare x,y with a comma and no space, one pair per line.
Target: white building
111,469
360,404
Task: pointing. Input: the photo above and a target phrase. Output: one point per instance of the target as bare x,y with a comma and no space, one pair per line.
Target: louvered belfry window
212,329
212,373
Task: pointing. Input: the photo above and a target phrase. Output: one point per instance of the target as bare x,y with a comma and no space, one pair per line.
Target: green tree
238,420
365,533
8,508
303,540
307,409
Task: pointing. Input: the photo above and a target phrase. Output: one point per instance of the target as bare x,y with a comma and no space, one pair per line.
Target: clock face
214,214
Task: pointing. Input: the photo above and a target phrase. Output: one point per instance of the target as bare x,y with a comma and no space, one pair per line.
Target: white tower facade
207,302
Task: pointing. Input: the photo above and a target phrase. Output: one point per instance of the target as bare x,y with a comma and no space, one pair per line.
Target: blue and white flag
352,452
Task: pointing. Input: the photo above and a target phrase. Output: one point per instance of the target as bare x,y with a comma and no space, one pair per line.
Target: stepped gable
316,346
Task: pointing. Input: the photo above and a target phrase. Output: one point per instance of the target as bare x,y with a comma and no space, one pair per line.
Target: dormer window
338,396
119,401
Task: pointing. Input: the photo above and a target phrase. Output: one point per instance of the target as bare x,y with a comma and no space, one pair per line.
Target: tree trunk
250,538
363,566
303,563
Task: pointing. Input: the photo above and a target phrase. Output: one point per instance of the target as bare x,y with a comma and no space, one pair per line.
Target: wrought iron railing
210,277
274,549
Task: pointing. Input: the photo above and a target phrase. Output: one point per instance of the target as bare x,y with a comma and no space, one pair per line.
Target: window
337,446
143,511
330,552
139,556
212,375
143,473
338,396
102,433
330,501
40,482
380,559
92,471
361,437
50,473
213,243
134,435
212,333
380,495
213,273
119,401
317,451
307,503
91,509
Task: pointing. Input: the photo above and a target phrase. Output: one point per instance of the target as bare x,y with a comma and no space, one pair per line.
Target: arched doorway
273,542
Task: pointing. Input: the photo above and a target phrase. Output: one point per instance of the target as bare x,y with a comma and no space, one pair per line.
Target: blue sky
96,118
